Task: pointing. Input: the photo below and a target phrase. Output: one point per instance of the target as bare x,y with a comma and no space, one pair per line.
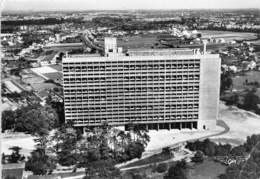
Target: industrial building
156,88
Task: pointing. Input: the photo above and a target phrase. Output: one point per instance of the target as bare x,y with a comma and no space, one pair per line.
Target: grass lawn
251,76
207,170
150,160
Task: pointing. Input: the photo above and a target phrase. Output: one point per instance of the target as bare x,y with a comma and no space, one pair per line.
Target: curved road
220,123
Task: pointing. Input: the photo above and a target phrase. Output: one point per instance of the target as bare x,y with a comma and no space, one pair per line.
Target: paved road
219,123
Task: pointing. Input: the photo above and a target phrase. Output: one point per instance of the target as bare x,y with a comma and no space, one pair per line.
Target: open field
137,41
251,76
227,35
147,41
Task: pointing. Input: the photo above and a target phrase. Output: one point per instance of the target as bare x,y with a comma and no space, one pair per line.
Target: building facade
159,89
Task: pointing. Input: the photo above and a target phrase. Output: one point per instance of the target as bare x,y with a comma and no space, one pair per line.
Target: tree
251,101
139,133
93,155
233,100
40,163
59,108
8,120
223,150
161,168
36,120
66,158
3,158
226,81
209,147
251,142
249,168
104,150
15,156
176,171
198,157
65,145
134,150
238,151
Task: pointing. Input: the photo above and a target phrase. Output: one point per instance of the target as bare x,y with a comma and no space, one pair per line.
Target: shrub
198,157
166,150
162,167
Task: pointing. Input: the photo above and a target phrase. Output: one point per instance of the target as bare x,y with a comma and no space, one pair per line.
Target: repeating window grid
153,96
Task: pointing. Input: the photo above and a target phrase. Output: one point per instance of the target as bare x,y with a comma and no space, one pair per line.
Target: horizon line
122,9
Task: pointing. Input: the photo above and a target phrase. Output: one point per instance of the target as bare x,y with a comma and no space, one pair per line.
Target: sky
39,5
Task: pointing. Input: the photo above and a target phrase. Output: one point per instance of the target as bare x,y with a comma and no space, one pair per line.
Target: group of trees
210,148
226,82
27,96
98,152
33,119
30,38
46,21
108,146
251,101
53,149
18,66
251,167
14,157
198,157
248,101
39,162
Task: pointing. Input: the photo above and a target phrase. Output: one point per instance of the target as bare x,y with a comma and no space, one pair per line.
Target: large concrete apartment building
156,88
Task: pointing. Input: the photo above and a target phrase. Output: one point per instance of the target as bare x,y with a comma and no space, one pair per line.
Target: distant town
131,94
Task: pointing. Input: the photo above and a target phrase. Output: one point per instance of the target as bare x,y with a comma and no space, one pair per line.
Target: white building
159,89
